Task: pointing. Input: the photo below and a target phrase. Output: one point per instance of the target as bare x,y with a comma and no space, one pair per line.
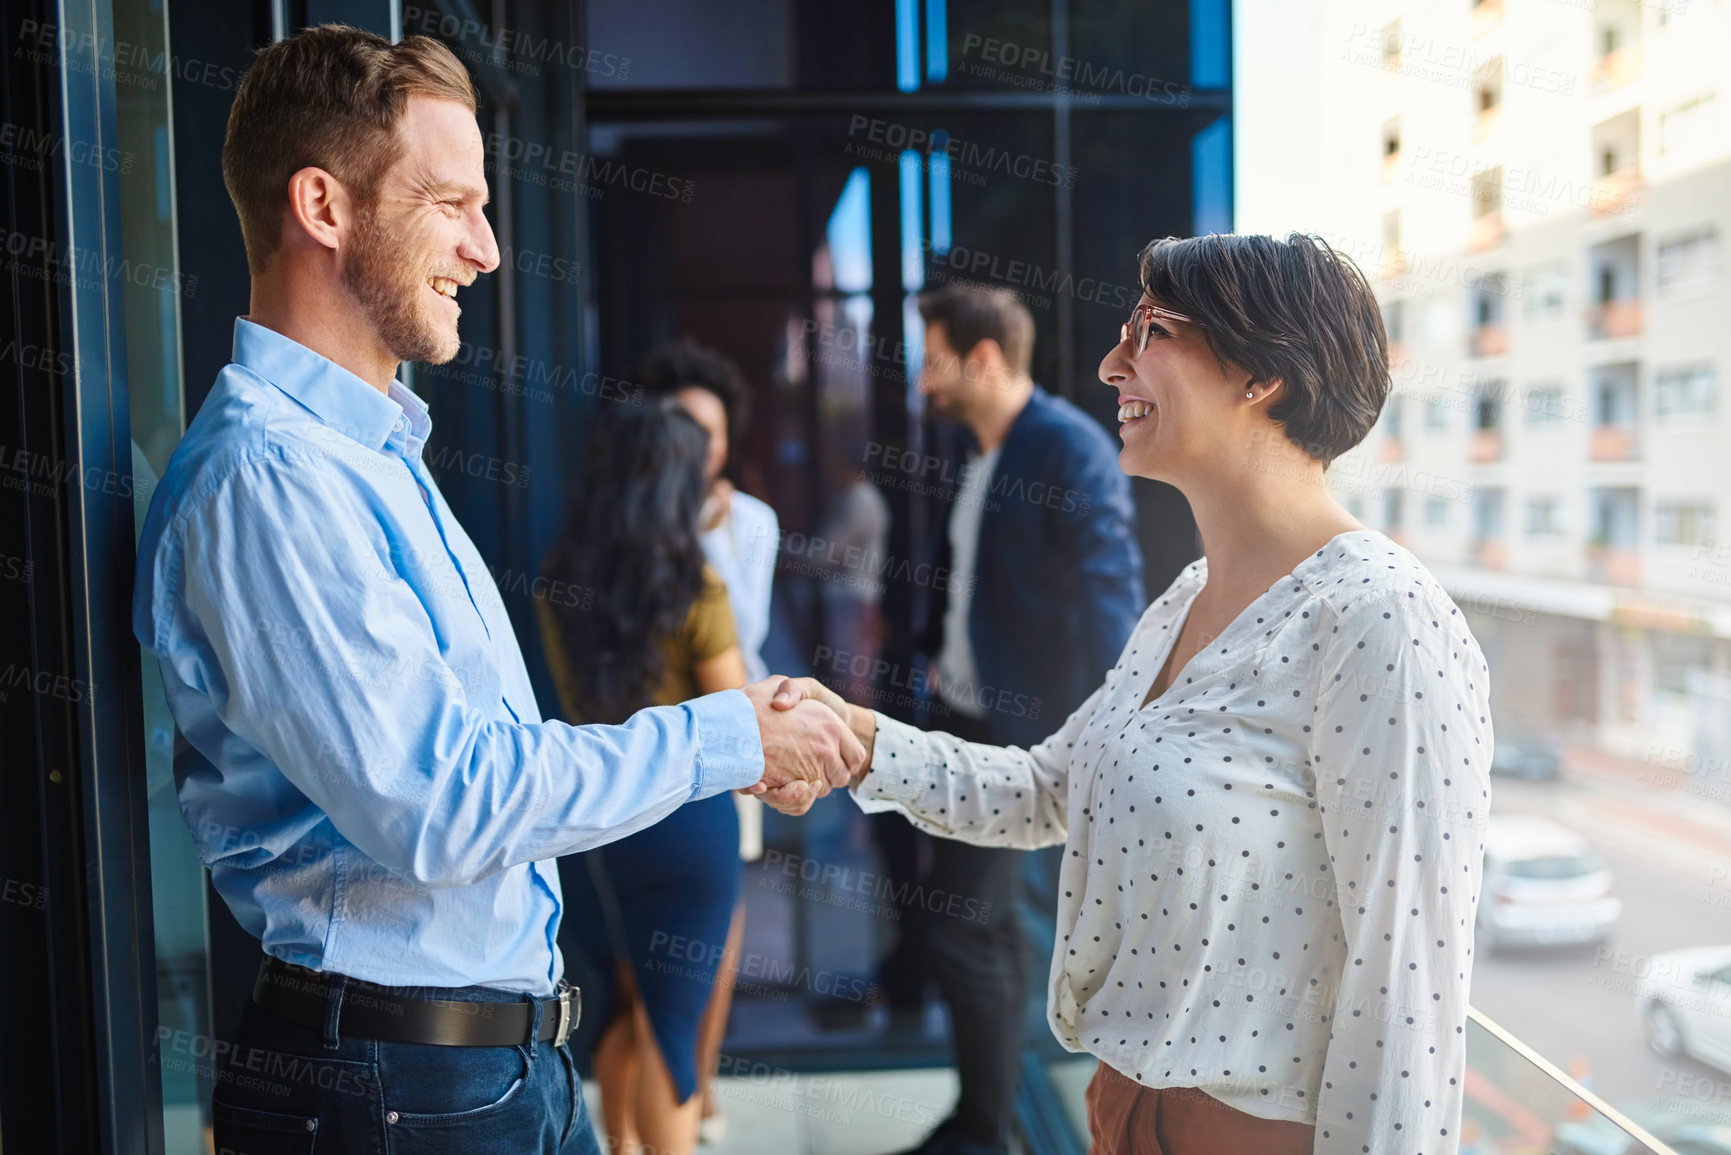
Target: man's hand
807,749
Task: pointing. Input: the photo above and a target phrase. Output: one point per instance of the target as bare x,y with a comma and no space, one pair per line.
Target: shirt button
390,1116
312,1124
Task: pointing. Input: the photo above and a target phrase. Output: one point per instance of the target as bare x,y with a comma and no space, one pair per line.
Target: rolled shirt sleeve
1401,758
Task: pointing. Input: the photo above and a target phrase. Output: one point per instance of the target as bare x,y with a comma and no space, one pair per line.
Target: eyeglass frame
1143,316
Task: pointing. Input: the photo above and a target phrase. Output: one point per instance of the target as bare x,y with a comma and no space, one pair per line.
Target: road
1671,856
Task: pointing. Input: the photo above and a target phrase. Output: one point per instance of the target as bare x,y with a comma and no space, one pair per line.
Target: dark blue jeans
286,1089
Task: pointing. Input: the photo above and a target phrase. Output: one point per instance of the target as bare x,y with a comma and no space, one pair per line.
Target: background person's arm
1097,540
725,671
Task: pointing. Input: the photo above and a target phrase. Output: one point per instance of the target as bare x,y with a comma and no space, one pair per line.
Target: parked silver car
1685,999
1543,886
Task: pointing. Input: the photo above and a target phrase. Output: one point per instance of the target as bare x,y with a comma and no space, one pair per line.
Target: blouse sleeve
1401,760
709,627
987,795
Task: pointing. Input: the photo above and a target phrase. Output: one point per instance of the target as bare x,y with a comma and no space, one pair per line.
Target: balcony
1617,194
1486,231
1486,123
1485,17
1390,166
1615,69
1390,451
1615,319
1490,340
1486,447
1614,565
1614,443
1491,553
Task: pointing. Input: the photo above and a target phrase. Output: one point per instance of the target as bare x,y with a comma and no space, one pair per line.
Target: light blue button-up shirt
362,763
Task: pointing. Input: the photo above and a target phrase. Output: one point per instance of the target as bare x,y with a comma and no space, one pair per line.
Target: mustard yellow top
707,633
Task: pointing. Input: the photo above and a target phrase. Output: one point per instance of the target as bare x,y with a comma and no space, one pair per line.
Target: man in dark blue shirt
1045,586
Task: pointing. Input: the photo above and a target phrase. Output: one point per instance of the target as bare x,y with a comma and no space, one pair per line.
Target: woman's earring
1251,395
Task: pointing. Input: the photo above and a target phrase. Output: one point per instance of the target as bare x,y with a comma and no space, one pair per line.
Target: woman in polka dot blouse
1273,809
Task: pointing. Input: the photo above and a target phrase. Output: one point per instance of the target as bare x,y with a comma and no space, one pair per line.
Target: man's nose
479,247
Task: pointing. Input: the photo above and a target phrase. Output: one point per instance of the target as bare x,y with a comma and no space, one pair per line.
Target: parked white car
1543,886
1685,999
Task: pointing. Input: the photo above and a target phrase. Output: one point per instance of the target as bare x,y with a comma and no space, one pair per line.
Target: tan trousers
1126,1118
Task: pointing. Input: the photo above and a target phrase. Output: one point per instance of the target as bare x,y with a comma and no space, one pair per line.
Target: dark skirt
660,900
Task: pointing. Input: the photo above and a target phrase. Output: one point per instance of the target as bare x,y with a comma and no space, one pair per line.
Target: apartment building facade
1540,191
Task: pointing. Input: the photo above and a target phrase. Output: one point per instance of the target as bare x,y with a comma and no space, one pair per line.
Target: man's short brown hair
329,97
973,313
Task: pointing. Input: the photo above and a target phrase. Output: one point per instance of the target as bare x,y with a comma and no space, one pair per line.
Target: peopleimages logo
967,158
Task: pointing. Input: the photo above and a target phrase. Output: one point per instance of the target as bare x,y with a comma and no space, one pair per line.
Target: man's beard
387,280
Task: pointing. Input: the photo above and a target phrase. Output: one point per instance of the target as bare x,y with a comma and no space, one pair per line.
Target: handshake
813,742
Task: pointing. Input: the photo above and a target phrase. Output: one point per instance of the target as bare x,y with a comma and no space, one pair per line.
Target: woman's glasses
1141,325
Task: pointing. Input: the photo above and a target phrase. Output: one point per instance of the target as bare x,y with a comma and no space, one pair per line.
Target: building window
1689,130
1488,407
1488,192
1394,321
1391,417
1487,515
1683,523
1545,406
1393,509
1436,414
1488,87
1391,46
1686,392
1689,258
1547,291
1544,517
1436,512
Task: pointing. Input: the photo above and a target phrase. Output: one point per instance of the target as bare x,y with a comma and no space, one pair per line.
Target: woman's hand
861,721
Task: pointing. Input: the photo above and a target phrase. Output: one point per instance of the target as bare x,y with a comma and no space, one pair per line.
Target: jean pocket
245,1131
433,1086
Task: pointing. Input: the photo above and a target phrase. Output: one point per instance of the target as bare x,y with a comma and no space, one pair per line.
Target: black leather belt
301,996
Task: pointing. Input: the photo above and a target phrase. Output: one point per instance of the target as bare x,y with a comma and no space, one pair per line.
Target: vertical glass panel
907,45
1130,50
937,41
151,287
913,262
1211,170
940,174
849,236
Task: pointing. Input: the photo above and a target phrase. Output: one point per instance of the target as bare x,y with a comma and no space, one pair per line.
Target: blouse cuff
899,770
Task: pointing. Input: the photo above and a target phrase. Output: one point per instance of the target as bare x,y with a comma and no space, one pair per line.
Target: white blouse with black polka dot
1271,871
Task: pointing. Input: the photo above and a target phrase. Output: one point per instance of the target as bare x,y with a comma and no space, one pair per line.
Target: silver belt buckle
568,1014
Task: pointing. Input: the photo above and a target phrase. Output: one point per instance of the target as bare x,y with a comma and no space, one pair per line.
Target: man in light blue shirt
362,763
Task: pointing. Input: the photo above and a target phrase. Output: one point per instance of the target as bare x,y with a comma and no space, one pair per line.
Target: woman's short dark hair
1295,310
685,364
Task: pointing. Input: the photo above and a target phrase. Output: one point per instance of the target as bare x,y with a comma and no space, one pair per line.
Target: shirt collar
328,391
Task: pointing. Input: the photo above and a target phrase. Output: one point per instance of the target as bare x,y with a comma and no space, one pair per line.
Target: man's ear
984,358
319,206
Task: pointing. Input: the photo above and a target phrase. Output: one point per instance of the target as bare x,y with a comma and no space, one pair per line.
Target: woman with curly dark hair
634,617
